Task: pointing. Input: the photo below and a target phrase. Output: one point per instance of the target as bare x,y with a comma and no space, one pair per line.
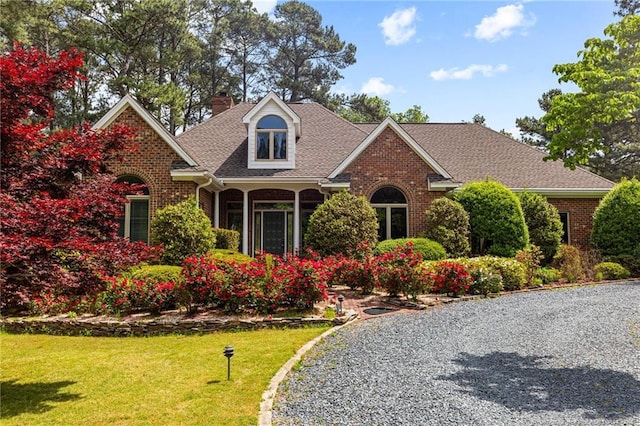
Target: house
263,168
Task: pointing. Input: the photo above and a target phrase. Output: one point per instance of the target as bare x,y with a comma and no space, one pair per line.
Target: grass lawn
167,380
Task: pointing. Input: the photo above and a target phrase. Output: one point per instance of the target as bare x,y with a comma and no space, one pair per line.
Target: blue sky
459,58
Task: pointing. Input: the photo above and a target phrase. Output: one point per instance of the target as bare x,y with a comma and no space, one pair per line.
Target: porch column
296,221
245,221
216,209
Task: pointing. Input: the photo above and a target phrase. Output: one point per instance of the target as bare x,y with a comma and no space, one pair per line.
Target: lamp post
228,352
339,305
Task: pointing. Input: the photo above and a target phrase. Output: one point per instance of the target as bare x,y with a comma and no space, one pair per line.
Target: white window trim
127,214
388,207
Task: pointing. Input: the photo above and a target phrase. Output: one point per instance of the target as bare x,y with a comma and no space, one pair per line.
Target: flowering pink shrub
124,295
450,277
399,272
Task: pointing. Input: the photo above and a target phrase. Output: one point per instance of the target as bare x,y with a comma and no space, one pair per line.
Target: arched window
391,206
271,138
134,224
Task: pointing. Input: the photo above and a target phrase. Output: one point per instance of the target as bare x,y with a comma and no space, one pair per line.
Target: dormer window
272,131
271,138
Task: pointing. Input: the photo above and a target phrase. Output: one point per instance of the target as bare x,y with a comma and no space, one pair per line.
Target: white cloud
398,28
265,6
468,72
376,86
502,23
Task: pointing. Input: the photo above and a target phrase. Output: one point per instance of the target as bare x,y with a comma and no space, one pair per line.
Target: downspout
199,187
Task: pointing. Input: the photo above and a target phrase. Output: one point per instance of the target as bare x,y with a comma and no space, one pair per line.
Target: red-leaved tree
59,204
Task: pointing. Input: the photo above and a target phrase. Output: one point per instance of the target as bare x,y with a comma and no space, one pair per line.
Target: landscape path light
339,305
228,352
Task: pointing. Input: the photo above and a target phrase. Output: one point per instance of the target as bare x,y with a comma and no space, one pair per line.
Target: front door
274,232
273,228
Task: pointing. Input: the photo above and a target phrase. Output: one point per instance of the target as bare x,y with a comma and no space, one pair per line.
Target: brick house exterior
263,168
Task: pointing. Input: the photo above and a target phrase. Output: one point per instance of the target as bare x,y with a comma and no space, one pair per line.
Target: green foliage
611,271
513,273
548,275
602,116
228,239
307,56
485,281
616,221
156,273
183,229
530,258
230,256
412,115
495,217
543,222
447,222
341,223
569,262
430,250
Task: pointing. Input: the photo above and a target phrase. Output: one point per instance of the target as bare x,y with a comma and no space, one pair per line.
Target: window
234,217
271,138
564,218
134,224
390,205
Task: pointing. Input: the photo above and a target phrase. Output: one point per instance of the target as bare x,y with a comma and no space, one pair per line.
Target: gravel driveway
563,357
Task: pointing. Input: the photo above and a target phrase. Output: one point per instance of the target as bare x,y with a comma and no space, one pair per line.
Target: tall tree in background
58,203
532,130
602,120
411,115
306,58
627,7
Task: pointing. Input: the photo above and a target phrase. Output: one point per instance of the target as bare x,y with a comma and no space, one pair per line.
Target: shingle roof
471,152
220,143
467,151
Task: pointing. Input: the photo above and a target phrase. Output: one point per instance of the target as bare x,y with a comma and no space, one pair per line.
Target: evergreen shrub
447,223
341,224
228,239
495,217
543,223
430,250
184,230
611,271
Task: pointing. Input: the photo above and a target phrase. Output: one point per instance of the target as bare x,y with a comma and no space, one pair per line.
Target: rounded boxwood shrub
228,239
183,229
430,250
495,217
230,256
616,221
340,224
611,271
447,222
543,222
485,281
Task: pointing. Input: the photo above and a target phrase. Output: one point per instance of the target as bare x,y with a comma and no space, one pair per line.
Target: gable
129,102
404,136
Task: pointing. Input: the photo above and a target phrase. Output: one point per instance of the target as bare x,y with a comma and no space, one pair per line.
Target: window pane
139,221
388,195
398,222
271,122
564,218
262,146
121,225
382,223
280,146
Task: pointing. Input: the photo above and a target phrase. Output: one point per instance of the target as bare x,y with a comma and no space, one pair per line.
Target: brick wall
580,212
389,161
152,163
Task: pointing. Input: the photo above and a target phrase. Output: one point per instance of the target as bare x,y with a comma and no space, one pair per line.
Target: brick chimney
220,103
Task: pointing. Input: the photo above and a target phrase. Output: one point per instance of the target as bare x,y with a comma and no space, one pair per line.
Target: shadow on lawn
33,398
522,383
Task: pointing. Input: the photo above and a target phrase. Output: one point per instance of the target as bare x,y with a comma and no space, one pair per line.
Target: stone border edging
268,396
155,327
